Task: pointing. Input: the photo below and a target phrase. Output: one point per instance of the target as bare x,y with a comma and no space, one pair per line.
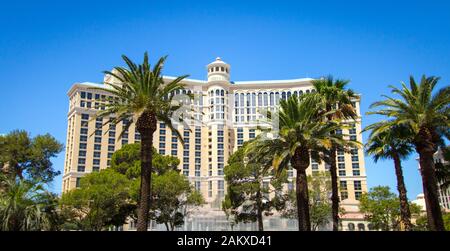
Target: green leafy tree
427,117
421,223
319,202
336,101
142,97
101,201
173,199
302,133
28,158
391,144
382,208
127,161
247,199
26,206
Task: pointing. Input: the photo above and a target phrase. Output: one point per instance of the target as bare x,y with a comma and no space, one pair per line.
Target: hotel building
229,112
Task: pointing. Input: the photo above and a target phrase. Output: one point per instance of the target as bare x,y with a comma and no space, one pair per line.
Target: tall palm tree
391,144
302,132
142,97
335,97
427,116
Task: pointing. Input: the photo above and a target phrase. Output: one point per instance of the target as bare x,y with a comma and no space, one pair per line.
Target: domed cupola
218,71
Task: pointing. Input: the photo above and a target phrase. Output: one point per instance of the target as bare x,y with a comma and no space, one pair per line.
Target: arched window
289,94
253,99
248,99
283,95
242,100
296,93
217,92
313,90
351,227
370,227
217,68
236,100
222,69
259,99
271,98
277,98
361,227
307,91
265,99
300,92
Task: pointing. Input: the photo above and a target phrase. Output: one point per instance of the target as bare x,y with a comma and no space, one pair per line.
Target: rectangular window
98,140
344,195
174,152
84,131
81,169
358,195
81,161
83,145
356,172
97,147
82,153
111,148
357,184
96,162
83,94
341,172
77,182
83,138
96,154
111,141
343,184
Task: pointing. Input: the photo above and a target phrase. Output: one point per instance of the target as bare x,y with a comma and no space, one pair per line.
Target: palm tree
302,133
142,97
335,97
427,117
390,144
24,206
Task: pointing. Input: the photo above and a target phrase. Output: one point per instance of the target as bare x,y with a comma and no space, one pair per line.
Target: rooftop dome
218,70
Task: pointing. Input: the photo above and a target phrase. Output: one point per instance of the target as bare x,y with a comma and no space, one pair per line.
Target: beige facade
231,111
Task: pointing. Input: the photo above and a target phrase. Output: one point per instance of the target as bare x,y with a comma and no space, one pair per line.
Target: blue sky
46,46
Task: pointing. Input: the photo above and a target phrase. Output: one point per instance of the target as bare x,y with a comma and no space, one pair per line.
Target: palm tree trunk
334,189
302,201
259,211
300,162
405,213
146,126
430,189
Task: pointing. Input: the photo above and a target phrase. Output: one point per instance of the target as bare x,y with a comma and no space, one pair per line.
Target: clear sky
46,46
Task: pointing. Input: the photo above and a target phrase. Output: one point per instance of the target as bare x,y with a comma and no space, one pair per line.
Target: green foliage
28,158
246,196
102,200
382,208
26,206
319,202
422,223
173,198
140,90
127,161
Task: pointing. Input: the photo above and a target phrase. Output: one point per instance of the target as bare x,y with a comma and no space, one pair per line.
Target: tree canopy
28,158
